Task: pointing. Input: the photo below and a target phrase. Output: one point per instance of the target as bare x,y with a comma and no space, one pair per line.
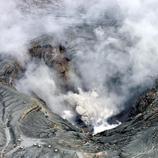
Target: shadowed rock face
10,70
53,57
30,130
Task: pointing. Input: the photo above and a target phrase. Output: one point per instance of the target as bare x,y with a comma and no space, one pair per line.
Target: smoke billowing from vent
112,45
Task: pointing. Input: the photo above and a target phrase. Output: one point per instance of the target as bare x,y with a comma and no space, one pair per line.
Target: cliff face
29,129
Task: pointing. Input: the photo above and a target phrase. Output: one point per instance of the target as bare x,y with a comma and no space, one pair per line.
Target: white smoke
113,45
40,80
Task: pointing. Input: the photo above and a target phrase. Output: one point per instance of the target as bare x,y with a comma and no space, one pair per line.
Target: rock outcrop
53,57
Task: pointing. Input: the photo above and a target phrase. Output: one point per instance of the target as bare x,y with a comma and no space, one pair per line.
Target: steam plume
112,45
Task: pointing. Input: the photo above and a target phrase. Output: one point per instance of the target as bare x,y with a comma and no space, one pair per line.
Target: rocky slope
29,129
